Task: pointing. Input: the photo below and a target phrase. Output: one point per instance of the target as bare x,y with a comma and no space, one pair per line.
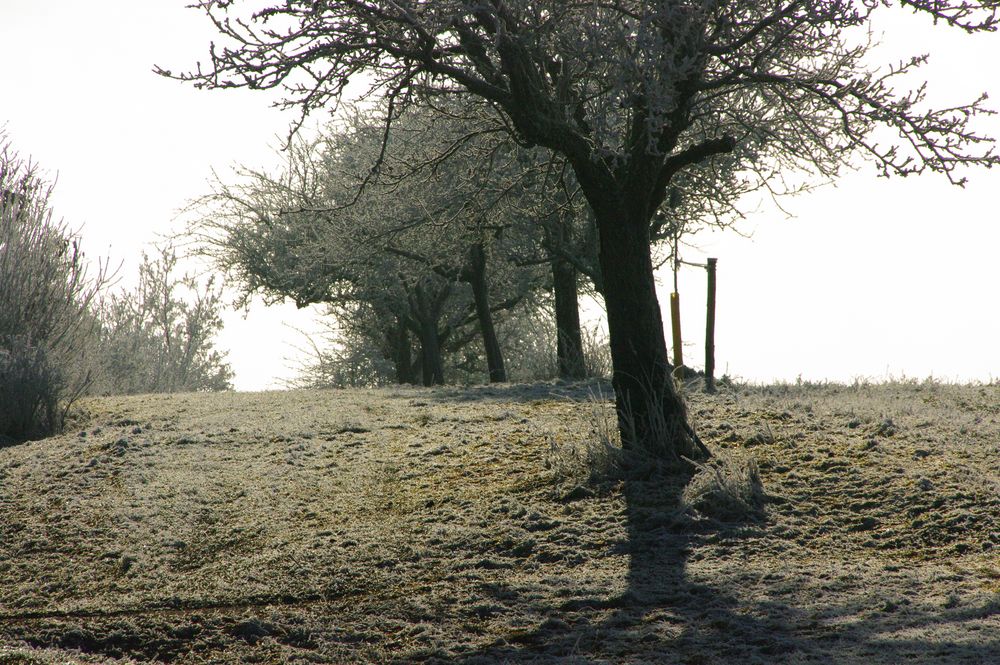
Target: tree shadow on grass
665,615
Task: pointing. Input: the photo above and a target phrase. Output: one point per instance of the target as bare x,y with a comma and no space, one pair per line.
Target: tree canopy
395,255
634,95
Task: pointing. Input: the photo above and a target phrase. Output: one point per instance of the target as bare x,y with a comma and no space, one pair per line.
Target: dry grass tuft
600,459
726,488
595,460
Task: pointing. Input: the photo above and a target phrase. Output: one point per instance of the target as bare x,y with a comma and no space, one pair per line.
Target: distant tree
451,182
423,250
258,232
47,328
159,337
633,94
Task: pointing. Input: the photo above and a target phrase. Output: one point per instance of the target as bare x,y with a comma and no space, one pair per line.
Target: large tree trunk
651,414
569,340
402,353
431,361
480,293
426,309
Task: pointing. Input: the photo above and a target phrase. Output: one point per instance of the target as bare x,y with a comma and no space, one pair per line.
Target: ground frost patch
413,525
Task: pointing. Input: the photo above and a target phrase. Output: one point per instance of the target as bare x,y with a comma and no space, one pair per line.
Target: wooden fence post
675,321
710,329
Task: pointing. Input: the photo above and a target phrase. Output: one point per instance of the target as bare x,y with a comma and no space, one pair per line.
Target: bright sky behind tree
870,278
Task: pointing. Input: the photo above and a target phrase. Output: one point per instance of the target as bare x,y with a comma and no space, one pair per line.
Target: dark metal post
710,330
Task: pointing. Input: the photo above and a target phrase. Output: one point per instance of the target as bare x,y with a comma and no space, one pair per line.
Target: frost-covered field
429,526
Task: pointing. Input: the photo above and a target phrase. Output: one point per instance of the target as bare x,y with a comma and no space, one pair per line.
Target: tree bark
651,414
480,293
431,362
569,340
402,354
426,310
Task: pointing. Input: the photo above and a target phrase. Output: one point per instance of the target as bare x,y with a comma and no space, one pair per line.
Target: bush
596,353
159,337
345,356
528,337
46,326
597,459
29,391
725,488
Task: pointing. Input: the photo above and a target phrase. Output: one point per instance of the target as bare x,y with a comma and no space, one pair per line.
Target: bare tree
263,231
633,94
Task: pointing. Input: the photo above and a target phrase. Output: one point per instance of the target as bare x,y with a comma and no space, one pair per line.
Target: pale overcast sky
870,279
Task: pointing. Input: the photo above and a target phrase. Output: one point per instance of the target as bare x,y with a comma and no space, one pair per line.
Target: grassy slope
423,525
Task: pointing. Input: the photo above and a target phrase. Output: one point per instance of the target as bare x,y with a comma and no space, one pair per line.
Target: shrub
528,338
159,337
596,352
29,390
46,326
343,357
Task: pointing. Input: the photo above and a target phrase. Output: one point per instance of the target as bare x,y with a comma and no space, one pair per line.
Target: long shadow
666,616
656,587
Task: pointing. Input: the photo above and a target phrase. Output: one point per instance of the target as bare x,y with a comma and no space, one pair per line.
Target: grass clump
595,460
600,459
725,488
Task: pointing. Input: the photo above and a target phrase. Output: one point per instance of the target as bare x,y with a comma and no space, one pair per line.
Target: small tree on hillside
265,233
633,94
159,337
